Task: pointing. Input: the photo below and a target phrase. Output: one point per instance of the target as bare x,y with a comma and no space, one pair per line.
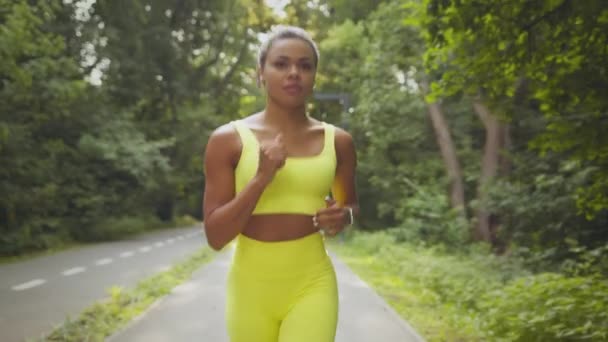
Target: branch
203,67
233,67
546,15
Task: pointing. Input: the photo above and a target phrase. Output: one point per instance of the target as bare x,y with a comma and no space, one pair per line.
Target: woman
267,180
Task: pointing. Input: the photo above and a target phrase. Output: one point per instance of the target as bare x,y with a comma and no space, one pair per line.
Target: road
194,311
37,294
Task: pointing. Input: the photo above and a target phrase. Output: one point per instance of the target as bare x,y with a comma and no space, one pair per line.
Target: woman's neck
283,118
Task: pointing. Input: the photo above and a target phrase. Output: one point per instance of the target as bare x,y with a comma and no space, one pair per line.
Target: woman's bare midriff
279,227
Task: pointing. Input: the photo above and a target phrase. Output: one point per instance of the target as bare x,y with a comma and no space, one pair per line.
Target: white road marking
164,268
126,254
105,261
73,271
29,284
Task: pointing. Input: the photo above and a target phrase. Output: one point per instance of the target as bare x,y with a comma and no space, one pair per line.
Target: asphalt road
40,293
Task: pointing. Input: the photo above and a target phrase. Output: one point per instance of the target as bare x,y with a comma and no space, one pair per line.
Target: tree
556,48
42,93
177,65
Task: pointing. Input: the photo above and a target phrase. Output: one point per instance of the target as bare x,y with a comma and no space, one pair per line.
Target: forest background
480,131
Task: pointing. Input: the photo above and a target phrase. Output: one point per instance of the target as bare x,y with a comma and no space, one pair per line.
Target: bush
474,292
428,218
548,307
31,238
455,278
118,227
437,291
372,243
185,221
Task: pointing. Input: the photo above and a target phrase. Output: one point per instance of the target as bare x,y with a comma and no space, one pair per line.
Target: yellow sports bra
299,187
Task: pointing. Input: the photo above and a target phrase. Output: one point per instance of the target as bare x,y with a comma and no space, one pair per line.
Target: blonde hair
285,32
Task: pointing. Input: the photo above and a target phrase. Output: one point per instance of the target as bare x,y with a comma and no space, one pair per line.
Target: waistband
279,259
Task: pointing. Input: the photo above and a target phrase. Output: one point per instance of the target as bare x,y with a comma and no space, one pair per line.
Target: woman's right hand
272,158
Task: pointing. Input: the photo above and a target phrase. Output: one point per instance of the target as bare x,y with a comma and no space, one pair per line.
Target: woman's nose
294,70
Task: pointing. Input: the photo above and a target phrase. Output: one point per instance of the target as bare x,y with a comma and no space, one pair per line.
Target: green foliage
401,175
586,261
548,56
437,292
105,110
186,220
41,97
344,42
120,143
180,69
427,217
548,307
538,211
388,120
474,295
371,243
32,238
116,228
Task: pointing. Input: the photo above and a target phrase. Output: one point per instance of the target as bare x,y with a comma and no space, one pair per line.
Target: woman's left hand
332,219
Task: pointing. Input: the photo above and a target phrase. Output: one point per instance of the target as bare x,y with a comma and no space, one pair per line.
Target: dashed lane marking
102,262
73,271
29,284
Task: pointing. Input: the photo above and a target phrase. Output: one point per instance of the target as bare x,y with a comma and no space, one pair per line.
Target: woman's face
288,73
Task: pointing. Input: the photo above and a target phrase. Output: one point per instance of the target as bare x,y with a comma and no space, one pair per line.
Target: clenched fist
272,158
332,219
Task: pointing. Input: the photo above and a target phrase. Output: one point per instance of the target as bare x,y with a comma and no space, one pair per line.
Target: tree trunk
496,136
504,163
448,153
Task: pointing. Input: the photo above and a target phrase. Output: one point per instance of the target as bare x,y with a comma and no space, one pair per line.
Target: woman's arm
225,213
344,188
335,217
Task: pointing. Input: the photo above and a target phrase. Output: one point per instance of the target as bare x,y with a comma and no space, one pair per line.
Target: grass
466,293
111,230
41,253
106,317
434,291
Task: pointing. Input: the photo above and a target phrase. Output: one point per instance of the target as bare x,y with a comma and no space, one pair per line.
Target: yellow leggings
282,292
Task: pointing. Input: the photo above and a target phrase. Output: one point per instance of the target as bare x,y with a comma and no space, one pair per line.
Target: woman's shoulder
229,129
252,119
341,135
224,141
344,144
224,132
319,125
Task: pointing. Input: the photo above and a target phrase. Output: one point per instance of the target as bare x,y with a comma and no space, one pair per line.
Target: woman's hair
285,32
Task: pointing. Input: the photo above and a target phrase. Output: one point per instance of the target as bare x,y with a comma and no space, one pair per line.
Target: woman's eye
306,66
280,64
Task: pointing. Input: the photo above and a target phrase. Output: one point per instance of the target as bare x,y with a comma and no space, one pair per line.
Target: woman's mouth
293,89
